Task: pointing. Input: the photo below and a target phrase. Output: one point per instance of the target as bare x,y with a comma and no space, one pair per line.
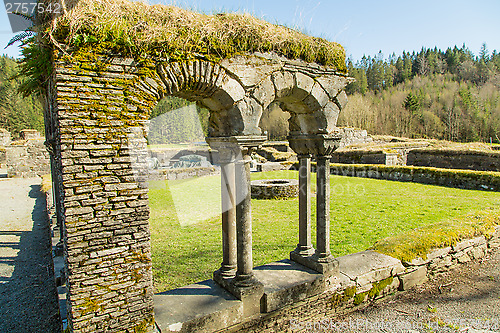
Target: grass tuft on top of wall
420,241
134,27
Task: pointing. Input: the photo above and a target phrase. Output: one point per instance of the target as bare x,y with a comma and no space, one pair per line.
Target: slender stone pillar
244,273
323,253
228,193
229,154
320,145
244,285
304,247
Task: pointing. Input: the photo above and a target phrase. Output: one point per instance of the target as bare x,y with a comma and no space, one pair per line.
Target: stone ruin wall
353,136
25,158
96,124
5,138
452,159
99,149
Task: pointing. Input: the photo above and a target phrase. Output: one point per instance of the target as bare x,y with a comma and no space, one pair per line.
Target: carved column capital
315,144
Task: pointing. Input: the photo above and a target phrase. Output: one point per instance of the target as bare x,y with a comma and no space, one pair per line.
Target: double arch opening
101,182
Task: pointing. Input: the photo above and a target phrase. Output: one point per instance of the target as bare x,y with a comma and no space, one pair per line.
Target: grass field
186,232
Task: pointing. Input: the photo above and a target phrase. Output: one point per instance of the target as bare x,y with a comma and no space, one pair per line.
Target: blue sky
362,27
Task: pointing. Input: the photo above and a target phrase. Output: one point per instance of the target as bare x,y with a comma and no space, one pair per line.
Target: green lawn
187,247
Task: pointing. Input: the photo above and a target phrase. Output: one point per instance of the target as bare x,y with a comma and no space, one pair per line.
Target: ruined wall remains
28,157
360,157
464,179
30,134
453,159
353,136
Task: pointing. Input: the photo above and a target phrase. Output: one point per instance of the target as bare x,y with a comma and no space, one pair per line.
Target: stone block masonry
5,137
463,179
100,117
453,159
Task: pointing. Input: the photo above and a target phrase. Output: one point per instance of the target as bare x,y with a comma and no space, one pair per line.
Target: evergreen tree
17,112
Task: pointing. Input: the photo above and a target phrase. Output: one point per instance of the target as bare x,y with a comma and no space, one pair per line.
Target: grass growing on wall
418,242
363,211
134,27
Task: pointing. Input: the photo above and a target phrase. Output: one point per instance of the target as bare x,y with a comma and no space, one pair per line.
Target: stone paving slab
286,282
200,307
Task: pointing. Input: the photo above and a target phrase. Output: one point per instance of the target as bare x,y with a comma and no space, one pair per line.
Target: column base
248,290
303,251
226,272
325,265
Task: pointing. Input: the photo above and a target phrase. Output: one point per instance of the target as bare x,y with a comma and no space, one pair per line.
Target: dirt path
466,299
28,297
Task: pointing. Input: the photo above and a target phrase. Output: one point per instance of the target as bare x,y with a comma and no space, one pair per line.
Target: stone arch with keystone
97,104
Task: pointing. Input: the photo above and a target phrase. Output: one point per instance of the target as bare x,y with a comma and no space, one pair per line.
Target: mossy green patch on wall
419,242
378,287
360,298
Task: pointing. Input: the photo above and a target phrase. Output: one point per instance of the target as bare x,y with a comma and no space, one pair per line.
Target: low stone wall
30,134
282,146
27,159
440,260
352,136
453,159
274,166
360,157
5,137
374,276
3,155
174,174
464,179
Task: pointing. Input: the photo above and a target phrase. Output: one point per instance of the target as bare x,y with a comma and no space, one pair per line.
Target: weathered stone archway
97,111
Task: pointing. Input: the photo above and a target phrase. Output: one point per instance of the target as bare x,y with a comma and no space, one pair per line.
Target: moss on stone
377,287
134,29
339,299
420,241
360,298
145,325
91,305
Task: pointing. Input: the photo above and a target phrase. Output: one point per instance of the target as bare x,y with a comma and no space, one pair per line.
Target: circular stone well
275,188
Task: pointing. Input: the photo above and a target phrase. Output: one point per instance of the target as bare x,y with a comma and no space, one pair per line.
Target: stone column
244,285
244,273
320,145
228,156
323,253
304,247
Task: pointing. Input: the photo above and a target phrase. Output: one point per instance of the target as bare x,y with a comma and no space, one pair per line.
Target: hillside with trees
17,112
452,95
